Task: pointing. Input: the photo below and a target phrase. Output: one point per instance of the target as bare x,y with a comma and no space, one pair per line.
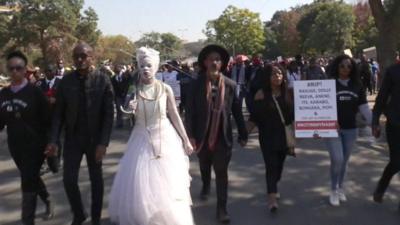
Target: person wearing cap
208,122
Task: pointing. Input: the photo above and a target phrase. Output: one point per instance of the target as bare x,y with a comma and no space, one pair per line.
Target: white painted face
148,61
147,68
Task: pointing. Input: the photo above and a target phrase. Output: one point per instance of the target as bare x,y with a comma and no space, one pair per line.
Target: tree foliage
365,33
327,27
51,26
239,30
87,27
168,44
281,34
387,20
117,48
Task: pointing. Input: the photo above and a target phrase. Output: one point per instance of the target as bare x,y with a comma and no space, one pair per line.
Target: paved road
304,188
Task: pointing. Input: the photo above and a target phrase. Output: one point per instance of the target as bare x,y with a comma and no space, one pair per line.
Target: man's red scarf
215,109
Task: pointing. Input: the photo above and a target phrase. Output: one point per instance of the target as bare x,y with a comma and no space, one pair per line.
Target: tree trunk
386,50
388,26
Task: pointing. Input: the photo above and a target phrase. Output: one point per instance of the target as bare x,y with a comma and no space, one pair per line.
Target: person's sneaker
334,198
342,195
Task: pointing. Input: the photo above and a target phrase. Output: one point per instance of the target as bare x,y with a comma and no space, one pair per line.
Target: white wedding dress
152,184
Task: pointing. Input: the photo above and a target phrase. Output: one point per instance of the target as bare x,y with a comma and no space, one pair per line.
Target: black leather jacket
99,106
388,100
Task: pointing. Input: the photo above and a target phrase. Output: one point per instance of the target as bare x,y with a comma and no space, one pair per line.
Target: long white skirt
149,191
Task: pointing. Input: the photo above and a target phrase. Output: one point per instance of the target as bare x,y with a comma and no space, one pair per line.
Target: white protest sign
170,78
315,108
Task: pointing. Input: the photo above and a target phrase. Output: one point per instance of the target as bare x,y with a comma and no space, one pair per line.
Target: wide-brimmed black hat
210,49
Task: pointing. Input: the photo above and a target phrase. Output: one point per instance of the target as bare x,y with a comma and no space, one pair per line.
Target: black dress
272,136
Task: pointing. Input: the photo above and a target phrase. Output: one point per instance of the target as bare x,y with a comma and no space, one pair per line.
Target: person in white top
293,74
153,181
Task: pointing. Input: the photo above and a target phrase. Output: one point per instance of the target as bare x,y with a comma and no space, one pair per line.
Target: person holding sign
271,103
351,99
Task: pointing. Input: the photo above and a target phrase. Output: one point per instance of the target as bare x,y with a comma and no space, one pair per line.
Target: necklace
159,89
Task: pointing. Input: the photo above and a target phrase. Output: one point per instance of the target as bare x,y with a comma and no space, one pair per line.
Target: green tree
239,30
282,37
50,26
86,29
387,21
365,34
118,49
4,32
168,44
272,49
327,27
152,40
41,22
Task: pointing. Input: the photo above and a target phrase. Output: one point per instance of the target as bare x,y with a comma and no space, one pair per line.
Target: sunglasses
15,68
80,56
346,66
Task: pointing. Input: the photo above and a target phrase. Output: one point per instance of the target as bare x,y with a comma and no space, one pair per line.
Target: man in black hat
208,122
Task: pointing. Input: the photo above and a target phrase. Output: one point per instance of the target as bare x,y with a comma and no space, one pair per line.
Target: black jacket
26,115
121,87
41,83
272,135
99,101
388,100
197,111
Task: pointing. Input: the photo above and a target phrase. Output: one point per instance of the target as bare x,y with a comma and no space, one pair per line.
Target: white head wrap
152,54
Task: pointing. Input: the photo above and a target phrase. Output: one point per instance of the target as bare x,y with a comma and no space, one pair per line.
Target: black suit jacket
99,106
121,87
42,84
197,112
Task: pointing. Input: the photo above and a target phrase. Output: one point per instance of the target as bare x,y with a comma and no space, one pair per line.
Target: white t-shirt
292,77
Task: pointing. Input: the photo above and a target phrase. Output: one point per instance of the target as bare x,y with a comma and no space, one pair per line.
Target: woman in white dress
152,184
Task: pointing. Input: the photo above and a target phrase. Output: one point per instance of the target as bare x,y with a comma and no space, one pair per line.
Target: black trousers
274,162
274,158
29,161
29,165
119,101
74,149
219,158
393,167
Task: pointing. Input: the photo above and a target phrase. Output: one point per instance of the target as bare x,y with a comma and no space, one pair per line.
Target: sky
185,18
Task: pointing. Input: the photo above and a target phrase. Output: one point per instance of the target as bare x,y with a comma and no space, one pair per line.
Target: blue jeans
339,151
